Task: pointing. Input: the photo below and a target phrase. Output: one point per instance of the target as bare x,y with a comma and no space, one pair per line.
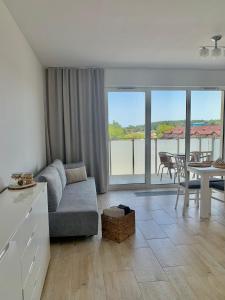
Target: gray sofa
73,209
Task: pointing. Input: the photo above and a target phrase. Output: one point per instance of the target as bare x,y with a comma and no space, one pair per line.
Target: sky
128,108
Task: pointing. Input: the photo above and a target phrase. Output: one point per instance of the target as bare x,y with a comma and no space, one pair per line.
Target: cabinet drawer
36,289
29,253
31,280
25,231
10,284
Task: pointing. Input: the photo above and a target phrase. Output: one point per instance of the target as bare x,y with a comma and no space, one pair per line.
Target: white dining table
205,174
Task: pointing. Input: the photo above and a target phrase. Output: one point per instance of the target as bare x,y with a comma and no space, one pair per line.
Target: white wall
22,135
125,77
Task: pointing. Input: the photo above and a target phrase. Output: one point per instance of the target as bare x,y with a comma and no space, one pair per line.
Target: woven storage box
118,229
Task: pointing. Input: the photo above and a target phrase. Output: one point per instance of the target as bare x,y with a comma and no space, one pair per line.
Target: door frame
130,89
147,90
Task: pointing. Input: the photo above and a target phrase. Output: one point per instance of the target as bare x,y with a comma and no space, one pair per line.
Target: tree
163,128
116,131
214,122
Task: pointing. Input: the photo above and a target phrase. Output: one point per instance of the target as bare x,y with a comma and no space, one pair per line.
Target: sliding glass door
206,133
168,119
126,114
147,132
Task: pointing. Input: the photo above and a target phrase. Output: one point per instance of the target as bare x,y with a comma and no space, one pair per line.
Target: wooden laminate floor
169,257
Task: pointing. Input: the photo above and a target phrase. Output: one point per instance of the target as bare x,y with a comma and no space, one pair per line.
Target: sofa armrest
74,165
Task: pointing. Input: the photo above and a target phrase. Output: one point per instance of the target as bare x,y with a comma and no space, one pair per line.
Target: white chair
194,186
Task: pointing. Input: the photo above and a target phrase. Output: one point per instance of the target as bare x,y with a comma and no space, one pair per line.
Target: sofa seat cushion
77,213
60,168
79,196
215,179
54,186
218,185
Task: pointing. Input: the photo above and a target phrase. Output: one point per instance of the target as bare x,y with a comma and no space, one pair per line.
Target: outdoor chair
165,162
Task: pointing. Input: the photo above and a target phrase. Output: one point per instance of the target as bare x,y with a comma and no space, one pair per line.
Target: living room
112,150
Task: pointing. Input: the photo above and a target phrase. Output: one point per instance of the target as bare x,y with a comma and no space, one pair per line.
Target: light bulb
216,52
204,52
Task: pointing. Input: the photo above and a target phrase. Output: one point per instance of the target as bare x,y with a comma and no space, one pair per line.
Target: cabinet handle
35,283
29,212
3,252
31,237
32,265
29,240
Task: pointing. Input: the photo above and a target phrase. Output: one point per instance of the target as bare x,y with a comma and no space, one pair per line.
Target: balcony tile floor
132,179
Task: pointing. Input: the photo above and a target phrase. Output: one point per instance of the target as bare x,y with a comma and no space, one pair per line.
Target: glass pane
168,115
206,124
126,113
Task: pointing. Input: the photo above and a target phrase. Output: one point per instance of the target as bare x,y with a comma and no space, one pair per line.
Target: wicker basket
118,229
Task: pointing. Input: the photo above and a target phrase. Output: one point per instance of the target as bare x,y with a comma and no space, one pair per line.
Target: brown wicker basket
118,229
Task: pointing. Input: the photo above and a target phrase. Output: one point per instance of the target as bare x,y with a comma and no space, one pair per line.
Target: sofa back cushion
51,176
76,175
60,168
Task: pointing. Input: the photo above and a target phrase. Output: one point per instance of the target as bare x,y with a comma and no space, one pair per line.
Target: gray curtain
76,120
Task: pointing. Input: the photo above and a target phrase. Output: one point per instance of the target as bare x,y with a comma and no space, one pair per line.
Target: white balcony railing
127,156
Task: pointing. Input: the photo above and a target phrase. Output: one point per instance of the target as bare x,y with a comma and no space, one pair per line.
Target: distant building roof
207,130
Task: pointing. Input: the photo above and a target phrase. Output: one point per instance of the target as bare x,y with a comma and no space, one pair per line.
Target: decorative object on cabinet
21,181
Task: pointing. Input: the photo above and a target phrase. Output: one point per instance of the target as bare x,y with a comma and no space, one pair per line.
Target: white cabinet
27,253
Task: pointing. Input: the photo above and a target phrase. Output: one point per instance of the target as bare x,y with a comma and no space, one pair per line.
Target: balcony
127,157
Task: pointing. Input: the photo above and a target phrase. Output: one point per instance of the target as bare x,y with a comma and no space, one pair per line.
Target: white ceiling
121,33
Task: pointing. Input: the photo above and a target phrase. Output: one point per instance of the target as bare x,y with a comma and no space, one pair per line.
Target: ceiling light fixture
215,50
